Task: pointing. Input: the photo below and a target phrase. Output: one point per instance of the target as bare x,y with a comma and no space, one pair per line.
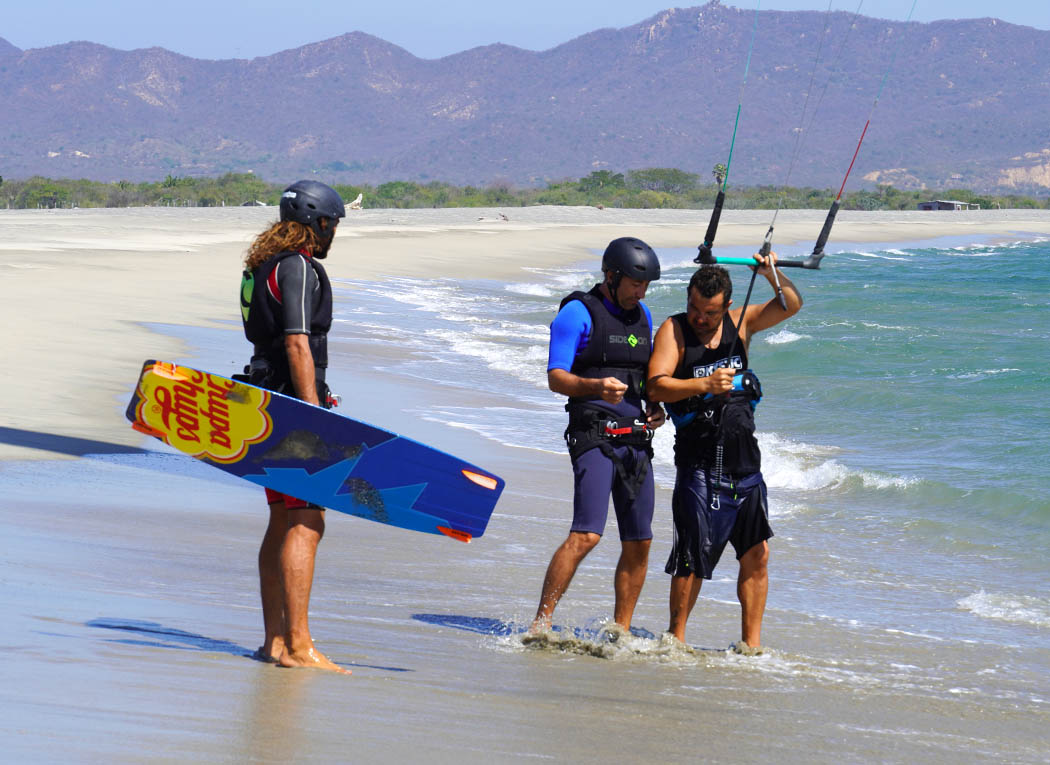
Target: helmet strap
614,288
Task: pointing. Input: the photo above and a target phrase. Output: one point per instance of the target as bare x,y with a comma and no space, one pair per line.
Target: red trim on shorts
290,502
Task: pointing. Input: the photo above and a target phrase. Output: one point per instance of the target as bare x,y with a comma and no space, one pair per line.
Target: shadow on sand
484,625
52,442
156,635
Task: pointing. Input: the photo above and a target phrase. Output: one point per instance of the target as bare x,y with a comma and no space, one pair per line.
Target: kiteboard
312,453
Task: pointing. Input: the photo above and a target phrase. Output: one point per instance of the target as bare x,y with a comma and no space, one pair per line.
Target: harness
593,428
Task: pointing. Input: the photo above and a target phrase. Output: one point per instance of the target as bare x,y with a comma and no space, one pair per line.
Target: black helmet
632,258
306,201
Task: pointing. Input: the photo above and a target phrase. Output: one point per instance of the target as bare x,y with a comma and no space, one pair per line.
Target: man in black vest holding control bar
699,368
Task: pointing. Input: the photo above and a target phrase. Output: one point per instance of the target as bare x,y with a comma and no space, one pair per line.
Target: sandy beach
130,569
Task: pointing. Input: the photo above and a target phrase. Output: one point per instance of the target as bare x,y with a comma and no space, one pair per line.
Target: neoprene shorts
701,532
596,479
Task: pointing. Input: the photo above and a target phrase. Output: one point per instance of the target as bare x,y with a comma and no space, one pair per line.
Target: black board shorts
702,531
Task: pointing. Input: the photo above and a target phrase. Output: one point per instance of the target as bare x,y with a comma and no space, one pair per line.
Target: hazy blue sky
427,28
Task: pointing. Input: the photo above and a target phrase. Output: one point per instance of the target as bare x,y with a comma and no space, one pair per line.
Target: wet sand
132,593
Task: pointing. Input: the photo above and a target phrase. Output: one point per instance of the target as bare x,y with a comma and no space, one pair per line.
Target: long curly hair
283,236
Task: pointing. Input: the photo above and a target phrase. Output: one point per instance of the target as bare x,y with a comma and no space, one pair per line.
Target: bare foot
743,649
311,659
261,654
540,624
670,641
539,632
270,651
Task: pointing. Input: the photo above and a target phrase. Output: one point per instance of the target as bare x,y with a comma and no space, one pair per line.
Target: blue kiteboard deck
312,453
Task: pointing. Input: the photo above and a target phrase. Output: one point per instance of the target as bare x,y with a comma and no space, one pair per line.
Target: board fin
142,427
462,536
169,370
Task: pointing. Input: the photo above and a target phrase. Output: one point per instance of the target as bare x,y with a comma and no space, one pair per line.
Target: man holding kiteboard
286,305
699,368
599,351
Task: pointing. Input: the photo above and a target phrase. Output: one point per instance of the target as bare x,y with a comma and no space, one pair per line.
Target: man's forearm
301,366
568,384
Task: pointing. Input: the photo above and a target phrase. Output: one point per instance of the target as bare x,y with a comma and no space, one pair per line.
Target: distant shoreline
648,189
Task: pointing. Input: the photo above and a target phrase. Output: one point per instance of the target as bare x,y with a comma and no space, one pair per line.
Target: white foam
878,256
875,481
537,290
528,363
973,252
875,325
1020,609
785,336
983,373
788,464
538,429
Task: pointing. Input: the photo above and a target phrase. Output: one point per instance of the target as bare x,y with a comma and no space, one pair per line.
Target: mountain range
965,104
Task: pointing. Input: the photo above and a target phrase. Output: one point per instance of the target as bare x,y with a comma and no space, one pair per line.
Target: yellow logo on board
201,414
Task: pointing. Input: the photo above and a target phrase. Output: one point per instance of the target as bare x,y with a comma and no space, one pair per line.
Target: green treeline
649,188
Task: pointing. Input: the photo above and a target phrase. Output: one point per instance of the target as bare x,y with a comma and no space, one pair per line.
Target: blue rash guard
570,334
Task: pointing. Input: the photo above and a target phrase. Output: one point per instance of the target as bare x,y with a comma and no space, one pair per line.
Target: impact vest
618,347
261,315
702,422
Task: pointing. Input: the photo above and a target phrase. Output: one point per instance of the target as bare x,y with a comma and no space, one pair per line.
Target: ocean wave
785,336
875,325
564,280
974,251
509,426
667,264
1019,609
790,465
526,363
793,465
535,290
878,256
980,375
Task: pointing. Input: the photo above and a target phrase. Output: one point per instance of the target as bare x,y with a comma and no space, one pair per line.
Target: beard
326,242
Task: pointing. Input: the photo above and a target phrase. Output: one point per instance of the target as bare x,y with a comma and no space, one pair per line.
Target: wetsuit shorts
596,478
701,531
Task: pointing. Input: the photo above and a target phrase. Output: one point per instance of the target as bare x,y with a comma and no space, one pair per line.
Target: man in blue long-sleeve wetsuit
599,352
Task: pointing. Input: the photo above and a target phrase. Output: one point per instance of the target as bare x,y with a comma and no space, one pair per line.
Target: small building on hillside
948,204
